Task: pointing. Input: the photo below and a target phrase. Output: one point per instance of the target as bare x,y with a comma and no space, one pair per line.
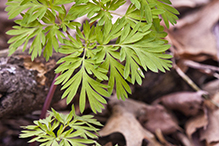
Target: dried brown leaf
193,34
157,117
195,123
161,138
216,97
189,103
189,3
124,120
212,87
213,102
211,132
213,144
184,139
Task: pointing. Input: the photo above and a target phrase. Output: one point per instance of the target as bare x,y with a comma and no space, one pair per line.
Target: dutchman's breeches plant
99,58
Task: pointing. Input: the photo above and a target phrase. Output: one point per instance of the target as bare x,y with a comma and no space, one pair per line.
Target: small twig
186,78
208,69
200,66
193,85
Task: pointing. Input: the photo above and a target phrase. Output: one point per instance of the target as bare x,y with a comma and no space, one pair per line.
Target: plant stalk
47,102
49,98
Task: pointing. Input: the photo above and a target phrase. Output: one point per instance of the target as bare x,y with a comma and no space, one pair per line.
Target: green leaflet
113,5
96,10
46,35
136,3
90,88
61,2
23,35
132,65
94,91
15,8
80,10
143,54
116,69
150,9
169,14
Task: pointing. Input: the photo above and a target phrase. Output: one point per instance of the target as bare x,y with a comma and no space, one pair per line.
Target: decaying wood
24,84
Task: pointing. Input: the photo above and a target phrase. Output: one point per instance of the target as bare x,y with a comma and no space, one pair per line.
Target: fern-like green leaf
116,72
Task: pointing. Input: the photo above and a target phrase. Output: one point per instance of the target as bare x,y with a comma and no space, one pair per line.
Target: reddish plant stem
49,98
47,102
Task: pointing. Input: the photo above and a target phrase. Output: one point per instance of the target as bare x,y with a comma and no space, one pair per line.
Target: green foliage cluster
63,130
124,48
99,58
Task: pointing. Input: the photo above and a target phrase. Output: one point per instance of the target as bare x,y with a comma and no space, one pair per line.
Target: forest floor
178,108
